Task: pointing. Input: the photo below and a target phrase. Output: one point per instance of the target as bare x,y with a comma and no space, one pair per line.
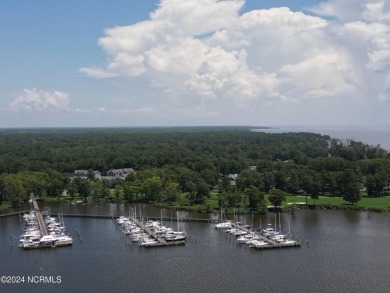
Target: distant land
369,134
136,128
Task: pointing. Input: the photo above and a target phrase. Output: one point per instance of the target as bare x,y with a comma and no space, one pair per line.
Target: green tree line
194,161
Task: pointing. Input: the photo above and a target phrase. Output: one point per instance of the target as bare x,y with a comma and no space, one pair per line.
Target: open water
343,251
369,134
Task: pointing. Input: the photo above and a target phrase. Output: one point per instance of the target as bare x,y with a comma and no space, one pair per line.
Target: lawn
365,202
211,204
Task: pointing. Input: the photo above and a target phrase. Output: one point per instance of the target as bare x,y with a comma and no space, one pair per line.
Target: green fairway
211,204
366,202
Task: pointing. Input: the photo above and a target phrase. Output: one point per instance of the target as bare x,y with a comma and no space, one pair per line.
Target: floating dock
270,243
160,240
36,233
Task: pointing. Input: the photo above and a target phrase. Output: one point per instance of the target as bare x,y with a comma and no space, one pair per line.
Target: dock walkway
39,217
161,240
146,229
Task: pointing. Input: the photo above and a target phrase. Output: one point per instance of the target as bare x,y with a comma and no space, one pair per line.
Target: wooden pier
161,241
146,229
39,217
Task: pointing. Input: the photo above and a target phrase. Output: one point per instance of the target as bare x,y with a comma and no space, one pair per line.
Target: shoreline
204,210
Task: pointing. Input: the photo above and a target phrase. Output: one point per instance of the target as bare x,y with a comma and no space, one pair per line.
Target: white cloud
379,54
197,17
93,110
376,11
97,72
346,10
39,100
328,73
207,50
352,10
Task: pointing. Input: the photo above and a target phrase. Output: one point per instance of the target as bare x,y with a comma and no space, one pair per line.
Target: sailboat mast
177,218
275,222
289,229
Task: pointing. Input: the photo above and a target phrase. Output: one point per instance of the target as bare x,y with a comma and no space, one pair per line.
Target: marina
211,260
42,232
151,233
263,239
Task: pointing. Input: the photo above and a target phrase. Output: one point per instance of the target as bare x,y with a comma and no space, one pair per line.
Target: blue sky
194,62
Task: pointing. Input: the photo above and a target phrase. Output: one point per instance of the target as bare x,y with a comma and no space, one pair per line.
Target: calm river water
370,134
346,252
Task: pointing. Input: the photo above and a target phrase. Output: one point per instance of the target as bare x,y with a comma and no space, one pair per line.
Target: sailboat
224,224
176,235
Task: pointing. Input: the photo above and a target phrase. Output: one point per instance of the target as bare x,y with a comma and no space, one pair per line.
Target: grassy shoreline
292,202
381,204
326,202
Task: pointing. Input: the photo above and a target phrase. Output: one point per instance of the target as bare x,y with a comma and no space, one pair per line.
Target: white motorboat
175,236
289,242
260,244
224,225
147,241
278,238
30,244
64,240
244,238
153,224
121,220
28,238
257,243
48,239
162,230
232,230
137,236
29,217
240,233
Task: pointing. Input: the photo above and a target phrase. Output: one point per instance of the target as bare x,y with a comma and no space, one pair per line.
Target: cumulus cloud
344,10
39,100
209,49
328,73
376,11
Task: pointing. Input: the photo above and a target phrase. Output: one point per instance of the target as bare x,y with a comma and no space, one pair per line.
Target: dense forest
240,165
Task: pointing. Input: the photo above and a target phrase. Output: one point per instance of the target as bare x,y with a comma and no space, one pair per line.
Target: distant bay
369,134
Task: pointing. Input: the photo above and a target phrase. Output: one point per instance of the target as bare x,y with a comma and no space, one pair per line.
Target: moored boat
224,225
